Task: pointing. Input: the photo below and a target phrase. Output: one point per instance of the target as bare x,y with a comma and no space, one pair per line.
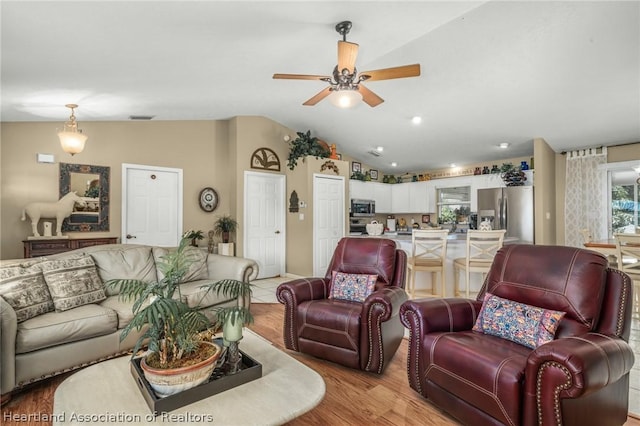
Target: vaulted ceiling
492,72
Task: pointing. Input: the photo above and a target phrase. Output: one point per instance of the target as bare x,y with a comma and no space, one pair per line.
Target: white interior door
328,219
264,234
151,205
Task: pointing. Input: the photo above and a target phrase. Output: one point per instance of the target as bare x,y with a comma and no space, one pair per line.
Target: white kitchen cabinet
418,197
360,190
400,198
379,192
382,196
413,197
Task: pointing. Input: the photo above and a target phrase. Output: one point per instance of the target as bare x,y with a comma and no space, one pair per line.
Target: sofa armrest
291,294
572,367
302,289
229,267
423,316
390,299
8,330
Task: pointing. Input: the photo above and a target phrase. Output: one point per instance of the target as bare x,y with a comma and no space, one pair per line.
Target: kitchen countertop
461,236
458,236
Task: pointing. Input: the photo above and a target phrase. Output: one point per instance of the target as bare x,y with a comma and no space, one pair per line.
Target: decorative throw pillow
22,285
73,282
521,323
354,287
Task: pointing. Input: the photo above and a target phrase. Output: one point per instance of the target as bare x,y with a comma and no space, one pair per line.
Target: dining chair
628,254
428,253
482,247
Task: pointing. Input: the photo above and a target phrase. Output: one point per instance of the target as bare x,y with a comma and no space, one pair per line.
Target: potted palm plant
173,328
224,226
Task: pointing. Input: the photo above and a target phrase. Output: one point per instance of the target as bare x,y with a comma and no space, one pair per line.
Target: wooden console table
47,246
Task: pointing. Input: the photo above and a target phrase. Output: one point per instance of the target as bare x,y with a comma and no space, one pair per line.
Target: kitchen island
456,248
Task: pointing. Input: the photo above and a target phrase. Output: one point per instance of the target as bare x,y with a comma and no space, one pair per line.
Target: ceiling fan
345,76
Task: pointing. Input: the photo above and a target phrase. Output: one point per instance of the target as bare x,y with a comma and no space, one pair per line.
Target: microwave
363,208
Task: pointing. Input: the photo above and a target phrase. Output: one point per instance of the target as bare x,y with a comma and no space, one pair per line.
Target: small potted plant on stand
224,226
195,236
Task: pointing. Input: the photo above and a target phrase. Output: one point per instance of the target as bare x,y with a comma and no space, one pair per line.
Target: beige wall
300,232
247,134
201,148
544,192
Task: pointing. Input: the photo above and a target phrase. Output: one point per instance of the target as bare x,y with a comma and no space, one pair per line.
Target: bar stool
428,252
481,249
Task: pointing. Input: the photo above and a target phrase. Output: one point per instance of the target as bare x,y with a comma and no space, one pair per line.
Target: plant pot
225,237
170,381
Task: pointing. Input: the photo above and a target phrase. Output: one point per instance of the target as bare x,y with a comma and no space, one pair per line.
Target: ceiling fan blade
369,97
300,76
318,97
391,73
347,54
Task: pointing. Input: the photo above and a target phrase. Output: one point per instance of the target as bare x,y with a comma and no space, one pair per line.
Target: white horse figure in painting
58,211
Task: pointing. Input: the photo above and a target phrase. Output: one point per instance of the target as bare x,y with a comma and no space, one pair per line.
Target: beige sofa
81,322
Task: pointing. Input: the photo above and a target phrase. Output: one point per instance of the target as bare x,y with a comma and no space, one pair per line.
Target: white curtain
585,204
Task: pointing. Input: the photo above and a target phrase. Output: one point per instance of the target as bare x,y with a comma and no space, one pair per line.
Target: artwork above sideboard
92,184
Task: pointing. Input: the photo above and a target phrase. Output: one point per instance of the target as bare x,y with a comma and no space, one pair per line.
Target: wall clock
208,199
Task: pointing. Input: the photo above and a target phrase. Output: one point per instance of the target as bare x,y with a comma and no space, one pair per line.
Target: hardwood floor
352,397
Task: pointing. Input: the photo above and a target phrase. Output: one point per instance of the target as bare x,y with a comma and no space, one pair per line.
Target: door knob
129,236
277,232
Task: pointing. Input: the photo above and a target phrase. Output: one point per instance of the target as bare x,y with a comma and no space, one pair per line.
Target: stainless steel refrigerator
509,208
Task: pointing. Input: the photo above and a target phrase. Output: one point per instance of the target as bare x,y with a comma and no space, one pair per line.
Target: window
625,201
454,205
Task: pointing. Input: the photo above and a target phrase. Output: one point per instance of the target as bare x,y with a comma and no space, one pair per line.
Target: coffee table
106,393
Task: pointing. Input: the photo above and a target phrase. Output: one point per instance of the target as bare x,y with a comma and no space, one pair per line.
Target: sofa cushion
483,370
124,261
354,287
365,256
195,296
521,323
341,328
57,328
198,268
571,282
73,282
23,286
122,308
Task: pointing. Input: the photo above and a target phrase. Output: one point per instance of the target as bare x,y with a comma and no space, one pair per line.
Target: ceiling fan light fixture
345,98
71,137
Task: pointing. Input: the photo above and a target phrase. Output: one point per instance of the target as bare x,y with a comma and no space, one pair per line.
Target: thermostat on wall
45,158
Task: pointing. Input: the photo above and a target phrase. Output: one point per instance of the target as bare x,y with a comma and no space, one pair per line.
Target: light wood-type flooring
352,397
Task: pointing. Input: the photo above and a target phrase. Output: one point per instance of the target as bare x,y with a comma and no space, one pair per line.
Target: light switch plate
45,158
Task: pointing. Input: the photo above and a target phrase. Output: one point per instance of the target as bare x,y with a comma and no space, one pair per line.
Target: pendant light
71,138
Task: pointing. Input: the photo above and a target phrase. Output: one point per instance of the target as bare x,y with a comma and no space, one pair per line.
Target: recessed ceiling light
504,145
380,149
416,120
394,164
453,165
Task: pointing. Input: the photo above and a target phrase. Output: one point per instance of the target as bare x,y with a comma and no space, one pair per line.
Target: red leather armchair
358,335
579,378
